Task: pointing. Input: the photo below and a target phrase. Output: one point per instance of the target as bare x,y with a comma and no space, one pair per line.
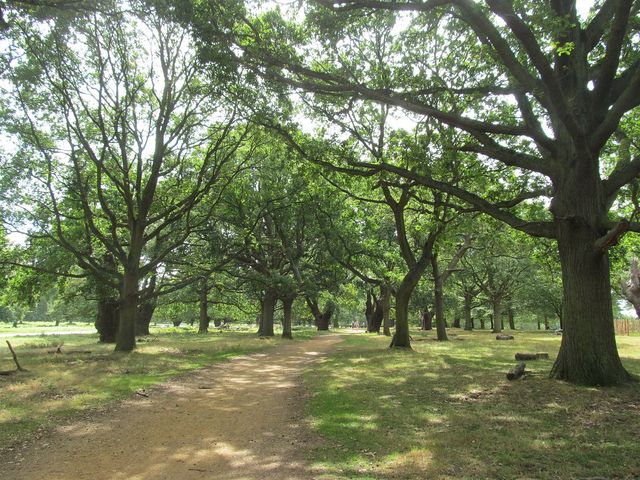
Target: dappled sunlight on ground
446,411
240,420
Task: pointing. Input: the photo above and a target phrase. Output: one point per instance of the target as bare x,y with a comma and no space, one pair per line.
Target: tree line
403,148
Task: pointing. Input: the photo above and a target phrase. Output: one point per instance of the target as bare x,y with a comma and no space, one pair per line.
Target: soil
238,420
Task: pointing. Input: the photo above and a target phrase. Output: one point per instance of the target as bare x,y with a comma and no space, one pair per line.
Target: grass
88,375
44,328
446,411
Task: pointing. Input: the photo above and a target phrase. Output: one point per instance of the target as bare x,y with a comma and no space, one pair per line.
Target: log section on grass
532,356
504,337
516,372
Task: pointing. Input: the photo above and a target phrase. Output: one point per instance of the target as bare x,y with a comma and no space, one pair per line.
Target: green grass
58,387
446,410
44,327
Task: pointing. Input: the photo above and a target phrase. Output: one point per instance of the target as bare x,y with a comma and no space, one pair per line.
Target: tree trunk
145,311
204,319
143,319
427,319
481,322
403,295
538,318
441,323
107,319
126,337
496,304
512,323
325,318
266,317
456,320
588,352
287,306
546,323
315,311
368,312
385,297
468,322
377,316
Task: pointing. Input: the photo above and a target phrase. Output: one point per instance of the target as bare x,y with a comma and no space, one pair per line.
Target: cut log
516,372
532,356
504,337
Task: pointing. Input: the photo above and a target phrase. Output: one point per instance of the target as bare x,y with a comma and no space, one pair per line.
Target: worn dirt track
239,420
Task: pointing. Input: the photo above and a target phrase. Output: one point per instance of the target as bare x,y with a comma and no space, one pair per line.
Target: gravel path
239,420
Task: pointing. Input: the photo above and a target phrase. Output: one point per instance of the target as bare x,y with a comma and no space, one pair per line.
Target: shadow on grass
446,410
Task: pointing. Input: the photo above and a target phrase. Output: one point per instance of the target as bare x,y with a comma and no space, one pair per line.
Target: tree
550,91
121,147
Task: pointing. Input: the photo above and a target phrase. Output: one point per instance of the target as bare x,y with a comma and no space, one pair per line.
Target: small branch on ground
15,358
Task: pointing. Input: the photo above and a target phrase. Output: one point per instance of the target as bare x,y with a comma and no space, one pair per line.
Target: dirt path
240,420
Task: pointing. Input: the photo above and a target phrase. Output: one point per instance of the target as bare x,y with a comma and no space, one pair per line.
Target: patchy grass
446,411
57,387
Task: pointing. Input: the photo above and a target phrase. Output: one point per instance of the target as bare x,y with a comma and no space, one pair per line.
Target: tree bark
143,319
403,295
441,325
204,319
287,306
266,318
107,319
377,316
496,304
512,323
126,336
325,318
588,353
427,320
468,323
385,297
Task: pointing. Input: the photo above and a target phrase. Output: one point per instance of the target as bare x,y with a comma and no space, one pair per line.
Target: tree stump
532,356
516,372
504,337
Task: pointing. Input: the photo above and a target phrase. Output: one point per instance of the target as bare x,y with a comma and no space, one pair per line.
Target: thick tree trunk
468,322
427,320
204,319
368,311
385,300
588,352
107,319
315,310
403,295
441,323
325,318
496,304
266,317
631,288
143,319
287,306
512,323
481,322
538,318
145,311
126,337
546,323
377,317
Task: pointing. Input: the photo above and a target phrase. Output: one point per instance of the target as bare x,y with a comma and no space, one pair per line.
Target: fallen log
504,337
516,372
532,356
